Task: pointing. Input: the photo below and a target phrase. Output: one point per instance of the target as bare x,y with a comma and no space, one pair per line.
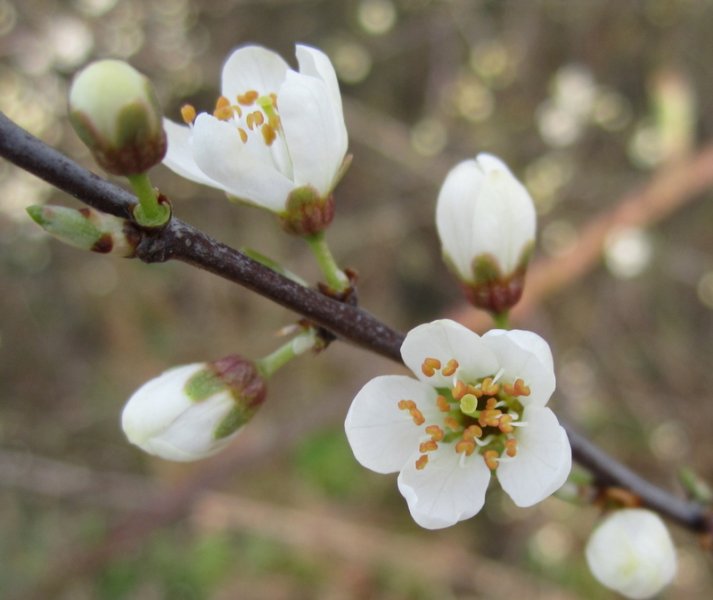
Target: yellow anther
430,366
452,423
237,110
422,462
466,447
268,134
258,117
477,392
489,417
489,388
436,433
188,114
406,404
472,432
516,389
490,403
511,447
243,135
505,424
223,110
248,98
442,404
491,459
450,368
460,389
275,122
273,97
250,121
428,446
417,416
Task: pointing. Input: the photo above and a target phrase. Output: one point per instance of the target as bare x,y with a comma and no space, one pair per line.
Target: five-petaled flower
486,222
276,138
477,406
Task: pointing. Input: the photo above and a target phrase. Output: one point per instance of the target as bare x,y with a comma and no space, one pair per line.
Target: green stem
502,320
336,279
150,212
267,365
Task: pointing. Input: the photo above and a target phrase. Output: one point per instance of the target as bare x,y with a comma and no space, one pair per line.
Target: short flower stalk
336,279
478,407
152,211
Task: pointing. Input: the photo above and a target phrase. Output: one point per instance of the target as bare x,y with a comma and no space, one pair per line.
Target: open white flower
193,411
632,552
275,133
477,406
486,222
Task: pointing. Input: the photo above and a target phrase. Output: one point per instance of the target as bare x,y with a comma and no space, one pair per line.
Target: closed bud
193,411
632,552
87,229
486,222
115,111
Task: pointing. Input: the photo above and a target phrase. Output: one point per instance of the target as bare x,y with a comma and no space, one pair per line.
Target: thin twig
183,242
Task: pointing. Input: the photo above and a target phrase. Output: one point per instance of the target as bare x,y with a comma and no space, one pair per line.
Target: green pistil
265,102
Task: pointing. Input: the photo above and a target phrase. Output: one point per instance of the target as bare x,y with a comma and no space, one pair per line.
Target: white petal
632,553
191,435
382,436
454,215
444,492
524,355
543,461
252,68
221,154
312,131
316,63
445,339
157,403
179,155
505,214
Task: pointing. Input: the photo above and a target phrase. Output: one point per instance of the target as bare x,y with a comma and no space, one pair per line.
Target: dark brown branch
183,242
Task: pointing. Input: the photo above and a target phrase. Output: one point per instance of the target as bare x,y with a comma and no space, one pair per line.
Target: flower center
478,415
250,112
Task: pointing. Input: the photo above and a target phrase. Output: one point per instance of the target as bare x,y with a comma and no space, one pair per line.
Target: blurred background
594,105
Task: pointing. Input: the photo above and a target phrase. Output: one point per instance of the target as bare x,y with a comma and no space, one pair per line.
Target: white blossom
486,223
631,552
274,130
477,406
193,411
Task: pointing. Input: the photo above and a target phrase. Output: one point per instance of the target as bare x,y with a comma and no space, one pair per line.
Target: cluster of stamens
479,415
264,118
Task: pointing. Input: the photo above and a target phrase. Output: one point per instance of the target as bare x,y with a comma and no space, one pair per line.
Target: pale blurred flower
477,406
632,552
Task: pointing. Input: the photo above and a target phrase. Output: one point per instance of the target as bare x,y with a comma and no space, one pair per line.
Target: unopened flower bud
193,411
632,552
486,223
115,111
87,229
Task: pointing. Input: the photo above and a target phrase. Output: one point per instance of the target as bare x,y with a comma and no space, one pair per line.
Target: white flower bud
115,112
192,411
632,552
486,222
